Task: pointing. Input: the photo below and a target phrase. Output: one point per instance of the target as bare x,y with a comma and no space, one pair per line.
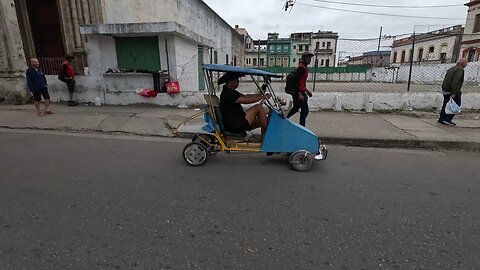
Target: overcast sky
260,17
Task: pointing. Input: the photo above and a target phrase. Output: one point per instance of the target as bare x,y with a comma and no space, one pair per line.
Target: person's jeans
446,98
301,105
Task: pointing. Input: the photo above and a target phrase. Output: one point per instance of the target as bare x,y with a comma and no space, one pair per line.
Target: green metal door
138,53
201,76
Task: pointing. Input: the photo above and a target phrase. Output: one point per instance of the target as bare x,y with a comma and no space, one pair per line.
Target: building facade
133,38
278,51
301,43
324,45
440,46
470,48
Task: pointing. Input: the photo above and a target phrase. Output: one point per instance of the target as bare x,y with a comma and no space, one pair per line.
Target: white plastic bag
452,107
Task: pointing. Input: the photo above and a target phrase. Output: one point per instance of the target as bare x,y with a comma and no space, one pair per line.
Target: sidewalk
404,130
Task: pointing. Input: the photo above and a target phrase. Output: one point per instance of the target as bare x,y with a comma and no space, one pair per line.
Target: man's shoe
442,122
451,123
72,103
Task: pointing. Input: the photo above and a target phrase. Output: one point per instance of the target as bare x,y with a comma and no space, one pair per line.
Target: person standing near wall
37,84
452,89
67,75
301,94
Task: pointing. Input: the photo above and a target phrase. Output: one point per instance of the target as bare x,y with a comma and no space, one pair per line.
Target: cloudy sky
262,16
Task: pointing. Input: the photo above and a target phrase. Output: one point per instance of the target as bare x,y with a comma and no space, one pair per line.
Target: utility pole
258,61
379,39
411,62
315,70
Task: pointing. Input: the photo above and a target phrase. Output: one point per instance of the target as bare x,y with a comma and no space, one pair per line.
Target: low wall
356,101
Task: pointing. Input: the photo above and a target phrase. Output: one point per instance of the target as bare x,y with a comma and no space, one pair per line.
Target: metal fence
391,64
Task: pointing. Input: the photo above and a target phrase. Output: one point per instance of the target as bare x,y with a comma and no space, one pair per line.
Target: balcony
323,51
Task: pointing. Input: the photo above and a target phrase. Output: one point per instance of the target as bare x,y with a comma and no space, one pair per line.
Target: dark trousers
71,85
446,99
301,105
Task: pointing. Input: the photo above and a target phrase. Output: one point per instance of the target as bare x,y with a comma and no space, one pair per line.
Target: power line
381,14
386,6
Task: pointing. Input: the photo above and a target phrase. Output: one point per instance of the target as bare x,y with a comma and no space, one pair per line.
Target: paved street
109,202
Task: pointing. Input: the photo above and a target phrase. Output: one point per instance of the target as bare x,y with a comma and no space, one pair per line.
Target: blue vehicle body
286,136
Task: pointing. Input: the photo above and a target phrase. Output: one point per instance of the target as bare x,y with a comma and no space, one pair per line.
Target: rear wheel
301,161
195,154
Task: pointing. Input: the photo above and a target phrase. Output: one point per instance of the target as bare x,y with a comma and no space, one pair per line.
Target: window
322,62
294,47
329,44
323,44
285,48
402,60
476,25
394,60
272,62
327,62
262,62
431,49
420,55
278,62
215,57
226,59
294,60
254,62
306,48
317,45
300,48
279,47
443,58
285,62
138,53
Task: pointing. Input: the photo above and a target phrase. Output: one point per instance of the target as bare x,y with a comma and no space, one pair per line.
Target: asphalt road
76,202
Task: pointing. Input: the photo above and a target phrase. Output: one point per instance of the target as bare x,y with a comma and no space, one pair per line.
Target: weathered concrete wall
193,14
12,59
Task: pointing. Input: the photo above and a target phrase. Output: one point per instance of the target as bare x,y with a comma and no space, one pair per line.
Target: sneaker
451,123
442,122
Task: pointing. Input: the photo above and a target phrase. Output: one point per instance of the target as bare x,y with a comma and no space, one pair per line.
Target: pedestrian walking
67,75
37,84
301,93
452,89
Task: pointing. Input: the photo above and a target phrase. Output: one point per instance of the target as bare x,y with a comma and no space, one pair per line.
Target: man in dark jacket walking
452,89
37,84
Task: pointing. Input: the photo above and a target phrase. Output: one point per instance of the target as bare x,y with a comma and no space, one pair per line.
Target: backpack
291,83
61,74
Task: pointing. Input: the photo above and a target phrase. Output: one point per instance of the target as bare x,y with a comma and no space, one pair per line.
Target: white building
470,48
324,45
440,46
176,36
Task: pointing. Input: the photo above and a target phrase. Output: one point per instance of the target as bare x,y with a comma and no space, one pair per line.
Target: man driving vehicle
235,118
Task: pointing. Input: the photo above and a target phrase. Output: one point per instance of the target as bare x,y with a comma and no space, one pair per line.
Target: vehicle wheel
202,138
195,154
301,161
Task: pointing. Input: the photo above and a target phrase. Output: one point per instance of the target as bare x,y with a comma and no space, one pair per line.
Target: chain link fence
402,63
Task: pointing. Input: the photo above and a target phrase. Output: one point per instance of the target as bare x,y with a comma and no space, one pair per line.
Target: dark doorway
46,30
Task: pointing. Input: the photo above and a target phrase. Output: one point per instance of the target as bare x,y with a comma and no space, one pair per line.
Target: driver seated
234,117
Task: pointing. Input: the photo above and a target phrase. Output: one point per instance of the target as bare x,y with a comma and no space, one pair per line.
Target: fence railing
51,65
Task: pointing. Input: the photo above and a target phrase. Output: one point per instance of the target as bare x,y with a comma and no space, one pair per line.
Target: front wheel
301,161
195,154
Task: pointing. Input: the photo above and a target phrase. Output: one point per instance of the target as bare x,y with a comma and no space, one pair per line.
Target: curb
354,142
400,143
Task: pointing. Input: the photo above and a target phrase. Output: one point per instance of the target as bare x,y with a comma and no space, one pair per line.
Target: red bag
173,88
148,93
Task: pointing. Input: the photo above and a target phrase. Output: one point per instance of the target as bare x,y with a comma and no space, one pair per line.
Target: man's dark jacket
453,80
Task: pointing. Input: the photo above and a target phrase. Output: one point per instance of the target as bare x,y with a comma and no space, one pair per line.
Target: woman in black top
235,119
